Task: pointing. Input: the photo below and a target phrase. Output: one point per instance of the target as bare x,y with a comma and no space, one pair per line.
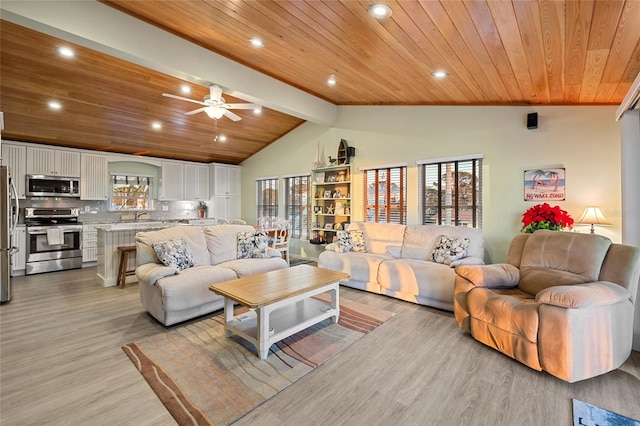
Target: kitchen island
110,237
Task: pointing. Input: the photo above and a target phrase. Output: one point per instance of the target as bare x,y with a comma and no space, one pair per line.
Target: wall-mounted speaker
532,120
351,151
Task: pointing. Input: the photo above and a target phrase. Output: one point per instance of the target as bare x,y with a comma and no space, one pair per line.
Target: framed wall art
544,184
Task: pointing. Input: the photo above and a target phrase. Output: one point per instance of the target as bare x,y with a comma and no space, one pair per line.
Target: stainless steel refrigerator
8,220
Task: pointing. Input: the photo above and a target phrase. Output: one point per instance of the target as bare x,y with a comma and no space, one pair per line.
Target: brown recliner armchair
563,303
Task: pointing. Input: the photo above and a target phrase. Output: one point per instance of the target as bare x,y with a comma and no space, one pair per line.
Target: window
385,195
130,192
451,192
267,197
297,203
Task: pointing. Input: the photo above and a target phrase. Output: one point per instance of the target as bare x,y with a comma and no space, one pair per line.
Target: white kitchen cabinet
172,181
53,162
90,242
94,177
196,182
19,259
226,179
15,156
226,183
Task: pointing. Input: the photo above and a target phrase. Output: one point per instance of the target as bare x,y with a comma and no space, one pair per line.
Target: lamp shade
593,216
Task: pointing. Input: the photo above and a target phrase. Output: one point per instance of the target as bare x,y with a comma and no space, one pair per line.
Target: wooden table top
269,287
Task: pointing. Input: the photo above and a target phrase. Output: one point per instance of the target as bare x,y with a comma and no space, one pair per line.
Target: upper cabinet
54,162
15,156
172,181
226,179
196,182
94,177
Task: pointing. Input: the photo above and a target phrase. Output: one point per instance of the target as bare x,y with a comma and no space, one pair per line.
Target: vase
201,213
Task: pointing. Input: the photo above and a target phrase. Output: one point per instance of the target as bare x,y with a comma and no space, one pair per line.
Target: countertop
138,226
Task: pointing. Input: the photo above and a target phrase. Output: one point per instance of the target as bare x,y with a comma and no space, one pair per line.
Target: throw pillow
253,245
357,237
450,249
343,239
174,253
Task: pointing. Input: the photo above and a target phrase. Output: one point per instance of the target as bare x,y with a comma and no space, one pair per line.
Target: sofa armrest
577,296
490,276
152,272
470,260
331,247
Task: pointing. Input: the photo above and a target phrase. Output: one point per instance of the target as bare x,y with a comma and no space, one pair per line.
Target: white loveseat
397,261
172,296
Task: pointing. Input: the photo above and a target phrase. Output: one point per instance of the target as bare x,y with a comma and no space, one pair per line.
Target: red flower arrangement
543,216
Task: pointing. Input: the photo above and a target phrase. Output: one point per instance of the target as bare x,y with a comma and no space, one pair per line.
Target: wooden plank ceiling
496,53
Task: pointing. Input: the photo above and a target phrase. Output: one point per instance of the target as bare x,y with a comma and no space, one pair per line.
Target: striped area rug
205,378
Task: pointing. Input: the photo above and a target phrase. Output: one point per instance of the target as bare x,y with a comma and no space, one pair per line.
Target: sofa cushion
360,266
378,236
552,258
352,240
192,235
248,267
191,287
221,241
450,249
420,240
175,253
252,245
418,277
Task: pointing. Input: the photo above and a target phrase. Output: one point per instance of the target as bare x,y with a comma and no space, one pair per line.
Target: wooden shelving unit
331,207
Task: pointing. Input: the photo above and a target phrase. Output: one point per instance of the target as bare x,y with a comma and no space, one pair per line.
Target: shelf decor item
543,216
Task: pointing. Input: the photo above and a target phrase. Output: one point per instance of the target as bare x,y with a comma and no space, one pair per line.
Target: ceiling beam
107,30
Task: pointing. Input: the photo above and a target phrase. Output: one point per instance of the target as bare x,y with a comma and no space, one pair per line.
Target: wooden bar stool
124,260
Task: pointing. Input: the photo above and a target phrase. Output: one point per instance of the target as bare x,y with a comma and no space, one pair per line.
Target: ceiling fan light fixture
379,10
214,112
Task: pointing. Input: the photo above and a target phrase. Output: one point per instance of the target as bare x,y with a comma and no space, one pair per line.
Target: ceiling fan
214,104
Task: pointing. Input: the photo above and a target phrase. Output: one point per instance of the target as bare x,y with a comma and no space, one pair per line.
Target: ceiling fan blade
195,111
215,92
242,106
232,116
169,95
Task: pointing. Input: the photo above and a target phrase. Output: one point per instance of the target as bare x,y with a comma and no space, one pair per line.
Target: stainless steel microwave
52,186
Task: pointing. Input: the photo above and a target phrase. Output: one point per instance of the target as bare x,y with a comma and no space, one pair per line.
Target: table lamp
593,216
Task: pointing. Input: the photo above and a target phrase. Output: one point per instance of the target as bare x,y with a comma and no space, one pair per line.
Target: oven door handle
44,232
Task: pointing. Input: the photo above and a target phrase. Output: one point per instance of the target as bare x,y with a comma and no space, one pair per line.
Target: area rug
205,378
590,415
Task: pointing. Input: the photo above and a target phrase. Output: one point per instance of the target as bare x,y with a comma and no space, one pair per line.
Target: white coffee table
282,301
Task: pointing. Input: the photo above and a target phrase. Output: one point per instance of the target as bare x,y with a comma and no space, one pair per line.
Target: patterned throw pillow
350,241
175,253
450,249
253,245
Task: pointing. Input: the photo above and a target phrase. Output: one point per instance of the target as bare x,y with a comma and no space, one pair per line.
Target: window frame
387,207
300,227
475,162
113,177
269,209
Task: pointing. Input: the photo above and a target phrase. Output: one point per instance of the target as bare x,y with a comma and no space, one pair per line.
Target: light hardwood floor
61,364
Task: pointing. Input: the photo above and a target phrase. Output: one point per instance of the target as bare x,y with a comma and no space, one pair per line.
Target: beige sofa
563,303
397,261
173,296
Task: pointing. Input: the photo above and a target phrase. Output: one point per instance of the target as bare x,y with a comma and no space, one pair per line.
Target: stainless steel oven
54,239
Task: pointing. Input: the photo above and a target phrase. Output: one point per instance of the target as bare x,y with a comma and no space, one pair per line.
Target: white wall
584,140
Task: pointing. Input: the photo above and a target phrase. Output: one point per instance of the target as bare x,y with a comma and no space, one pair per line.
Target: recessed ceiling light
331,81
439,74
55,105
185,89
256,42
379,10
156,125
65,51
220,138
257,110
